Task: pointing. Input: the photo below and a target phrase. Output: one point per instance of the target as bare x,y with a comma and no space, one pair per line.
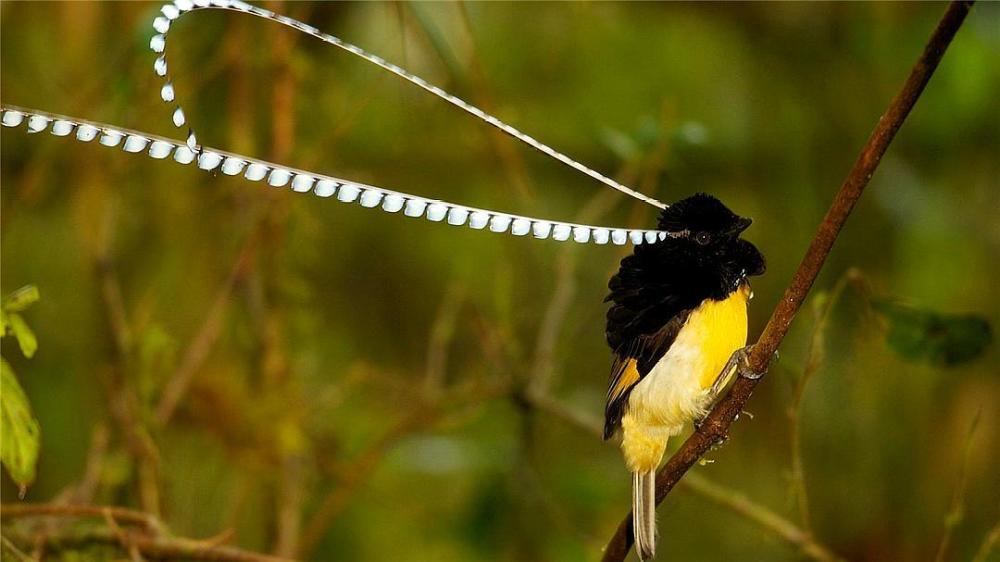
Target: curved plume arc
172,11
344,190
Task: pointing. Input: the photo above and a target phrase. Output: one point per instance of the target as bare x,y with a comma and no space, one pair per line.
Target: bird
677,326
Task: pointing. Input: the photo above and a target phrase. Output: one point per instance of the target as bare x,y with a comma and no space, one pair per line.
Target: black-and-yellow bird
678,314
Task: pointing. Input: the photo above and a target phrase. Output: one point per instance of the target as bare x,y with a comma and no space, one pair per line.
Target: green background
378,365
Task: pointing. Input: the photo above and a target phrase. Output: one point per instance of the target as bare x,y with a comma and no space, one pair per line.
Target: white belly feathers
676,391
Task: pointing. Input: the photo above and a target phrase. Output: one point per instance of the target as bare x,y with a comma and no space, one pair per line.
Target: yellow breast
718,329
675,391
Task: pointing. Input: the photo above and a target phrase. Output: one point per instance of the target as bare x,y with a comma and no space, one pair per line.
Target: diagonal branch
734,501
716,426
119,514
761,516
146,535
154,547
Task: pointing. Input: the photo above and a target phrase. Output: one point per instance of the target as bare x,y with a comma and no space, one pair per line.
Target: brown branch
8,548
119,514
423,415
203,341
152,541
155,547
543,368
702,486
84,490
957,510
123,402
574,418
442,334
989,542
760,515
716,426
814,358
124,539
337,499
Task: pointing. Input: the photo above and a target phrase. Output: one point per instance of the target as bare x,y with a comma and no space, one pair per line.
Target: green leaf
919,334
25,337
21,299
19,431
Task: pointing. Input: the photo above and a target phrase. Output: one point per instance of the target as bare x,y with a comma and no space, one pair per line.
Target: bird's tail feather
644,513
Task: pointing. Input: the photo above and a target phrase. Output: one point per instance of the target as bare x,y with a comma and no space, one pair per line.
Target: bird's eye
703,238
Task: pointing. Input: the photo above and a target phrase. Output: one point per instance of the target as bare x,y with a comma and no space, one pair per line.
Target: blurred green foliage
19,433
942,339
322,406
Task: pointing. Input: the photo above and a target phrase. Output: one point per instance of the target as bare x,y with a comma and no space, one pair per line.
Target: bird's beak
742,224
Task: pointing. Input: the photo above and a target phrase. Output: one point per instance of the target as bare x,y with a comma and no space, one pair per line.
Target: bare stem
119,514
203,342
989,542
702,486
957,510
152,540
8,548
154,547
716,426
814,357
760,515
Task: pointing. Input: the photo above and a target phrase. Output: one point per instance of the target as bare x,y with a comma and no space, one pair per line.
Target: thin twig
156,547
352,476
152,542
442,334
203,341
120,514
8,547
957,510
760,515
989,542
123,538
814,357
275,367
716,426
573,417
543,369
81,492
721,495
84,490
124,404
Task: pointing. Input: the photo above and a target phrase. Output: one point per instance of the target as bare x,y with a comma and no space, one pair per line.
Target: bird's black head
702,219
707,233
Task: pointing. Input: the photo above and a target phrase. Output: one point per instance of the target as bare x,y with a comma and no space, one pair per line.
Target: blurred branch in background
706,488
503,146
119,374
714,429
203,342
450,410
766,519
152,540
957,509
823,304
989,543
431,401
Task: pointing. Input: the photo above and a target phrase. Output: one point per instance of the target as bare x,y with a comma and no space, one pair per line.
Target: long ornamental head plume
369,196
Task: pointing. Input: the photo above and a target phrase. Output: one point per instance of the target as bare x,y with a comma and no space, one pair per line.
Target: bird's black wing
632,363
652,294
